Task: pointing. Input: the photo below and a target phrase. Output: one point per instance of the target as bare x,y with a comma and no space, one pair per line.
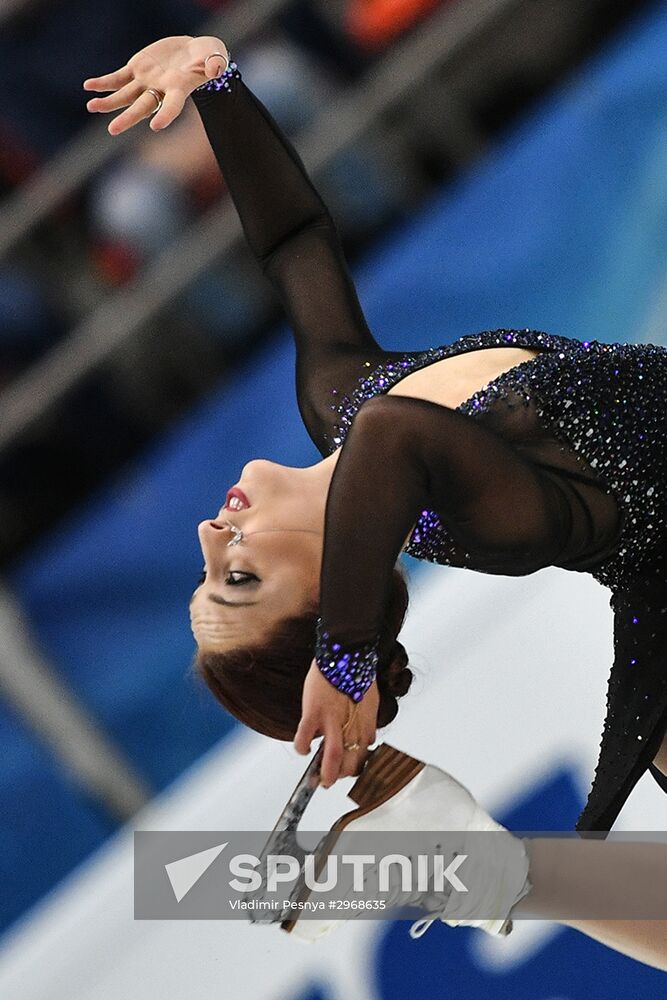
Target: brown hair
262,685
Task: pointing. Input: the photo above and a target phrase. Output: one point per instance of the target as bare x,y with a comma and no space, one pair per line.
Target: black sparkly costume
559,461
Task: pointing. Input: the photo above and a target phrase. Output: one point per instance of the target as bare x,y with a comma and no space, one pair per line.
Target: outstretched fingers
143,107
120,99
112,81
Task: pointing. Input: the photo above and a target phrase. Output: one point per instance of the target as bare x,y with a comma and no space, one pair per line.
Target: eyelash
247,578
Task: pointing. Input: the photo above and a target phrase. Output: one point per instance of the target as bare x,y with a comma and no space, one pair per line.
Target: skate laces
433,901
419,927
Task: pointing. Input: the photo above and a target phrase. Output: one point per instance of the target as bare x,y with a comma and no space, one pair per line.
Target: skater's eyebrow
217,599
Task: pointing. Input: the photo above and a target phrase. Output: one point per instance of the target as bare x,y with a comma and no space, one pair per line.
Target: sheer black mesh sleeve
293,237
404,455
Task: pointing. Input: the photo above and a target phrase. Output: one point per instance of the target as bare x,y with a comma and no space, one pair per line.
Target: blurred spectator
141,206
373,24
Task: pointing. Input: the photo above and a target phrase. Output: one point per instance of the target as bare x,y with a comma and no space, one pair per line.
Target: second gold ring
159,99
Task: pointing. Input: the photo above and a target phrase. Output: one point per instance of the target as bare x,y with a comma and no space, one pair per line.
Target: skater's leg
625,878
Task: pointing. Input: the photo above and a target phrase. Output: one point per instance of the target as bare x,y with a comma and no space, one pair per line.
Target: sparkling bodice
607,403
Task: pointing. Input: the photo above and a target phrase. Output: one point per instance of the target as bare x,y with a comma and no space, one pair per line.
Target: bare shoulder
451,381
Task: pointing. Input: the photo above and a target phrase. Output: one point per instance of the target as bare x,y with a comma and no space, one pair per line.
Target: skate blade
385,773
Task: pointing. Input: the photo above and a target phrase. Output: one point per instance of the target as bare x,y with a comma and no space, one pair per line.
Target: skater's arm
295,241
575,878
286,222
401,456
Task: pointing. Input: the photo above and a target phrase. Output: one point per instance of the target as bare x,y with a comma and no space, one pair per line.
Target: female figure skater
504,452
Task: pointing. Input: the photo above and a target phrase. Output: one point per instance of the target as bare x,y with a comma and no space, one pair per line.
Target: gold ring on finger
351,746
159,99
221,55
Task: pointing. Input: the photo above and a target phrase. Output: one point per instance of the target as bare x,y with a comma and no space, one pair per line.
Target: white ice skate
396,792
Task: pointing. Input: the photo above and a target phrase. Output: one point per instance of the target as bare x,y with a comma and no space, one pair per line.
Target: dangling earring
238,534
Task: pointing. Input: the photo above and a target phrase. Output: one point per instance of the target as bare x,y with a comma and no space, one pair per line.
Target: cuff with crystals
350,668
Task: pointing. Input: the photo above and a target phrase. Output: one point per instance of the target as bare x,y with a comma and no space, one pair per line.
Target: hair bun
398,675
394,678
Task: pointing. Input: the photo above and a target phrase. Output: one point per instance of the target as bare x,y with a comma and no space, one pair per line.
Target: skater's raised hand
172,67
326,712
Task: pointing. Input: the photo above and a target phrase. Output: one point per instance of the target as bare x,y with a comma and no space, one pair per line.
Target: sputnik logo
186,872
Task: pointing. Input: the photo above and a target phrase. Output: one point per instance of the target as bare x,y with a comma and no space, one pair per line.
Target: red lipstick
239,495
